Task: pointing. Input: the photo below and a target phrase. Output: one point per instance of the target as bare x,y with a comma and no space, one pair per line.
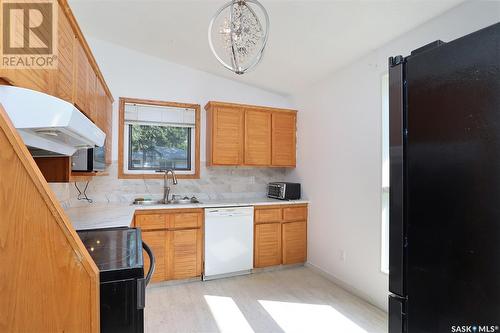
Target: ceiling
308,39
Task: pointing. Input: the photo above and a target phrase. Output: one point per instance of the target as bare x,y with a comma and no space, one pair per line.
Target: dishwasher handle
229,212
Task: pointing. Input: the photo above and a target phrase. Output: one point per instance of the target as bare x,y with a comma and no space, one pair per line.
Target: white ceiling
308,39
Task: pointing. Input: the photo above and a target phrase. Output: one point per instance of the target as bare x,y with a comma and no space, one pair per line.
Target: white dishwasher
228,242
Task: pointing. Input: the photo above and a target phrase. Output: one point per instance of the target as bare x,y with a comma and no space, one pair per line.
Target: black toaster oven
283,191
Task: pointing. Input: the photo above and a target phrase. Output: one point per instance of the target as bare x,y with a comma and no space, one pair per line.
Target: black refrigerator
444,230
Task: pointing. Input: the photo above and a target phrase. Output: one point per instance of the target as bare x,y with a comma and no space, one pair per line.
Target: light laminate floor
289,300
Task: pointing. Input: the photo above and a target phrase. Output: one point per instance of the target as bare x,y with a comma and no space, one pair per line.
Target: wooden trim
212,104
4,82
38,183
121,122
79,35
209,137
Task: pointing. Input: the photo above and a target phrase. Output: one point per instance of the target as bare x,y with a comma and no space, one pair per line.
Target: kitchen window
158,135
384,262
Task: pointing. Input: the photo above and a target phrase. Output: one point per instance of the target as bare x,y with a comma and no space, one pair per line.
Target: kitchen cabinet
250,135
267,244
176,238
283,138
156,239
84,79
226,136
294,242
185,247
62,79
108,110
257,137
280,235
77,80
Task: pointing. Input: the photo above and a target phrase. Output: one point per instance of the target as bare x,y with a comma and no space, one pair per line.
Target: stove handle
142,283
152,263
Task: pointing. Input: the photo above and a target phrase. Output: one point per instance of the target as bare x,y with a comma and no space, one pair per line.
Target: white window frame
147,113
126,145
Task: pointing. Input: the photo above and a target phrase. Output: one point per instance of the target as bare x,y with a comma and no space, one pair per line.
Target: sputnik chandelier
238,34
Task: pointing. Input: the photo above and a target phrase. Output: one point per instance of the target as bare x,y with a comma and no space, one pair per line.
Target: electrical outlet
342,255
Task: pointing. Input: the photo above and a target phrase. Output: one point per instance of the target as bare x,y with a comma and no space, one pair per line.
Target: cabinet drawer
185,220
295,213
151,221
268,215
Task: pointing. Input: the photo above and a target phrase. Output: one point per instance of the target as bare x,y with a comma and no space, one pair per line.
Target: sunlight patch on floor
302,317
228,316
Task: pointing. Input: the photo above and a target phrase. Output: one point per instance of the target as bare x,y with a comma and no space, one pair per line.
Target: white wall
129,73
339,154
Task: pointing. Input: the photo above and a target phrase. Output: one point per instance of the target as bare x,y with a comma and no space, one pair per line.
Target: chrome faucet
166,188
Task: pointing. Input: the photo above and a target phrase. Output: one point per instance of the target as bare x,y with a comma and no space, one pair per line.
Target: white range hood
48,125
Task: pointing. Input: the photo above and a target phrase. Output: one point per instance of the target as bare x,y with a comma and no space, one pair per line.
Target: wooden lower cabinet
280,235
185,254
294,242
157,241
176,239
267,245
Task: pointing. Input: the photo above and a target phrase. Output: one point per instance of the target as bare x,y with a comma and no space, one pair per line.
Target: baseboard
355,291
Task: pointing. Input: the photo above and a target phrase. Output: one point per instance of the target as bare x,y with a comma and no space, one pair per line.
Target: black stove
117,252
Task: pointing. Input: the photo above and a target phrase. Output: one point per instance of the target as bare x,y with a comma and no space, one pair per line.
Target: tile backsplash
219,183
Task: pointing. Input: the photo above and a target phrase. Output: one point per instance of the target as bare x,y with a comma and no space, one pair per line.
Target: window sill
122,175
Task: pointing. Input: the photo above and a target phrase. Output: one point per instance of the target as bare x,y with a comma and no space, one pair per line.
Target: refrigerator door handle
397,135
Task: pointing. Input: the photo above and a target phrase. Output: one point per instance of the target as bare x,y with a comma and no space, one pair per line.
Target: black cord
83,195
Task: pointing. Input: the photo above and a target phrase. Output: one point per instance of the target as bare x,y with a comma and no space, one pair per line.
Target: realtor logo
29,34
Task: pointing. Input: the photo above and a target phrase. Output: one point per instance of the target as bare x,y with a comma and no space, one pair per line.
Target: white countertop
96,216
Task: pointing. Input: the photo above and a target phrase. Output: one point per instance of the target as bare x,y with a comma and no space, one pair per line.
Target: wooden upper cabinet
100,111
93,113
62,79
226,137
81,91
257,137
250,135
84,88
35,79
284,139
109,130
76,79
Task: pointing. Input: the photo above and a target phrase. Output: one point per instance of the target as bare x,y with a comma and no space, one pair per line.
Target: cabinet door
63,75
93,97
227,136
185,253
100,105
157,241
257,137
81,84
283,139
267,245
35,79
109,129
294,242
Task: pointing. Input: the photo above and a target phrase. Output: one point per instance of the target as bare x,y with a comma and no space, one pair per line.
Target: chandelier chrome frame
237,68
